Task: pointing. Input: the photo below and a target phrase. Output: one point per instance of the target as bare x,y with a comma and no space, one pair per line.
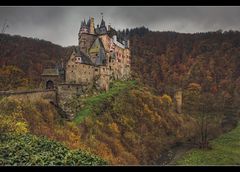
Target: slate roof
111,32
101,58
85,58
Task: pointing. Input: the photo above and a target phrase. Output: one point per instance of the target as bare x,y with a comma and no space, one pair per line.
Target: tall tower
91,29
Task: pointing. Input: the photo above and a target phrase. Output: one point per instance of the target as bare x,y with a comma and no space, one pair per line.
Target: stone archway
49,84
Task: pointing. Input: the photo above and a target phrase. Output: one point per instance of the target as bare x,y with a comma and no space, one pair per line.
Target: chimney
128,43
91,25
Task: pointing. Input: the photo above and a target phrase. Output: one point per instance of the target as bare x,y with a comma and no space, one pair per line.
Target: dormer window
78,60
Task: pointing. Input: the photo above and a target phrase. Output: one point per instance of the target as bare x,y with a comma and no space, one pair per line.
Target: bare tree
3,30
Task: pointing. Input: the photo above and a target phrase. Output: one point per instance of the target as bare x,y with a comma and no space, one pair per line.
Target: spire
83,28
88,23
102,22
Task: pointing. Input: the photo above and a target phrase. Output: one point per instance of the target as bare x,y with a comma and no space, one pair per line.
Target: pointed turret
83,28
102,29
102,23
88,23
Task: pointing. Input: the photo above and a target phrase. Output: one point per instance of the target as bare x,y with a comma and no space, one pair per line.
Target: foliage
94,104
30,55
31,150
128,135
225,151
38,117
11,77
11,118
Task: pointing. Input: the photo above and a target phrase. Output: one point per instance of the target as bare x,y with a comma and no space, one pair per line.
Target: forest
205,66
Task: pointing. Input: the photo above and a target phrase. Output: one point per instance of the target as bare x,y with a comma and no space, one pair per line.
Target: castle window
78,60
96,70
72,70
68,86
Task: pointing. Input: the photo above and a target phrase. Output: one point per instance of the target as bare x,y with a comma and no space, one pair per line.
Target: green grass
93,104
225,151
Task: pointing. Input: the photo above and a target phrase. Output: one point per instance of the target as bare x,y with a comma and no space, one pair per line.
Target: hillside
135,122
33,133
224,151
135,127
112,128
31,55
166,60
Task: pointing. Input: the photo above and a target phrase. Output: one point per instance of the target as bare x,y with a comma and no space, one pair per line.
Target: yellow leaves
166,99
99,123
11,117
9,125
21,128
113,127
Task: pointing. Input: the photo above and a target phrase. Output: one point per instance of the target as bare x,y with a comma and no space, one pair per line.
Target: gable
95,46
78,56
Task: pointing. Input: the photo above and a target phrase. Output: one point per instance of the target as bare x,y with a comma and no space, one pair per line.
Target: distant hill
29,54
166,60
162,60
136,121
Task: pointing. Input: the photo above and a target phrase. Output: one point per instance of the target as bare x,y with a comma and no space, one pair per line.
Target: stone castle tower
99,58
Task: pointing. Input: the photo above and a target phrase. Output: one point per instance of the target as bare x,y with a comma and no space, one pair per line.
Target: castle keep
99,58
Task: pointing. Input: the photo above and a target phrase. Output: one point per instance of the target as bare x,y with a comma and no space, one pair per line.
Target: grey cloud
60,25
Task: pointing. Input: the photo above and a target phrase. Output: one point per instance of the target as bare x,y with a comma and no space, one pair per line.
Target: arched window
49,84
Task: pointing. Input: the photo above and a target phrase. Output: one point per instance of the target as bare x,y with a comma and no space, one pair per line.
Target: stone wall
104,78
67,92
31,95
78,72
54,79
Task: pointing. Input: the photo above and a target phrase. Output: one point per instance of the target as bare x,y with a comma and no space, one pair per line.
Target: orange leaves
114,128
194,87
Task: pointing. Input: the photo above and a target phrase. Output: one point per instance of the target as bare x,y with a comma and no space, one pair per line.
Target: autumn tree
11,77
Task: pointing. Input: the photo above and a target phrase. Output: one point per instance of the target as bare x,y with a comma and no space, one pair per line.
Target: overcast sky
60,25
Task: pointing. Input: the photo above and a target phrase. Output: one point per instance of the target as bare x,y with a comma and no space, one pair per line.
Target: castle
100,57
